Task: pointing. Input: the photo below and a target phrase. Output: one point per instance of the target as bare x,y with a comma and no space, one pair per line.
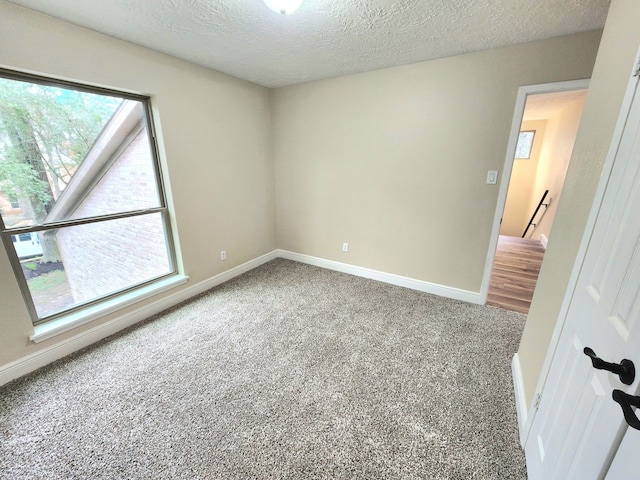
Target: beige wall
394,161
611,75
216,134
560,137
517,208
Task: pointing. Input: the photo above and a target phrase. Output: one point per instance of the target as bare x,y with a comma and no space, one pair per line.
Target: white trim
47,355
50,329
521,404
433,288
544,240
625,107
521,100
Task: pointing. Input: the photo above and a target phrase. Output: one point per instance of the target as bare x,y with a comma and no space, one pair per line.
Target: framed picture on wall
525,142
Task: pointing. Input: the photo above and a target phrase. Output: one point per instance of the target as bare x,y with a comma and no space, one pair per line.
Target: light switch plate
492,177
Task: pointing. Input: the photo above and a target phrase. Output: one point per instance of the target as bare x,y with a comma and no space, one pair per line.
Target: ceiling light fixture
285,7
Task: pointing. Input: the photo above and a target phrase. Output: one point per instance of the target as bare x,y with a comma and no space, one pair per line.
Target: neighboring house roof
120,130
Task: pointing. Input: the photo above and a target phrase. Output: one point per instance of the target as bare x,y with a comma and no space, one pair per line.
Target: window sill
60,325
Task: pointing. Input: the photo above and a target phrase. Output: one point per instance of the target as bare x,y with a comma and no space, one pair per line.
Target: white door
578,427
626,464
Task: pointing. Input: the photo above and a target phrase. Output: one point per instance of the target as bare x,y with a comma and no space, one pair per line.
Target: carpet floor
288,371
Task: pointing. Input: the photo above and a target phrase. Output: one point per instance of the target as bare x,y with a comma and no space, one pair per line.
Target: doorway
543,132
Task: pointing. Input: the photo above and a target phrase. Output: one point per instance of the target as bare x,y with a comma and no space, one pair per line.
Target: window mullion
81,221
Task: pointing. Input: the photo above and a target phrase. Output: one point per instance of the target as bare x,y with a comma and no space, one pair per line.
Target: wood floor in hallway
515,273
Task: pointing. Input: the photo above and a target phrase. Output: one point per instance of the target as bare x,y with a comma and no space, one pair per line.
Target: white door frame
526,419
521,100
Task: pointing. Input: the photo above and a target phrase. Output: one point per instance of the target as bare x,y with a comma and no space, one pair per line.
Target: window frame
162,208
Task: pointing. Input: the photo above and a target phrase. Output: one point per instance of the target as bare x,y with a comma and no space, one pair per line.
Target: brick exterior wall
105,257
10,215
5,204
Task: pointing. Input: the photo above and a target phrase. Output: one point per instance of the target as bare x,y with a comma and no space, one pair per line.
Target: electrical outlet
223,255
345,247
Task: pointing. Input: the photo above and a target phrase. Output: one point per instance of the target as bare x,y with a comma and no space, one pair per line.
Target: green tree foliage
46,129
45,133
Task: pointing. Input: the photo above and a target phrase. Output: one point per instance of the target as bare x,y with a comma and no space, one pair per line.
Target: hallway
515,272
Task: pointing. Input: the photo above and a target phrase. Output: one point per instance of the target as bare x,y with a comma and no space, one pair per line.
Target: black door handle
625,369
627,401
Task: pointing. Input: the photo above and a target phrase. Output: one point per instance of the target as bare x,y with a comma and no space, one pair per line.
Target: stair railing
541,204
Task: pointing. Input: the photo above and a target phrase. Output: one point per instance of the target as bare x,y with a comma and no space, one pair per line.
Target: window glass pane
96,260
67,154
13,200
524,145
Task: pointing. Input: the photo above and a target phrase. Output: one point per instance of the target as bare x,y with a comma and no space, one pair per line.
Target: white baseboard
440,290
521,403
544,240
43,357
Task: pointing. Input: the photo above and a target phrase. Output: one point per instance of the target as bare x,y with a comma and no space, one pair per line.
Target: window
93,222
13,200
524,145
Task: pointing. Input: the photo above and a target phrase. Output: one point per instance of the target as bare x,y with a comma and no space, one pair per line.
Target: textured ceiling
324,38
